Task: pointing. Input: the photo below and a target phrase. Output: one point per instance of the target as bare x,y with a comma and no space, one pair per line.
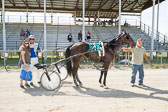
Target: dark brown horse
110,48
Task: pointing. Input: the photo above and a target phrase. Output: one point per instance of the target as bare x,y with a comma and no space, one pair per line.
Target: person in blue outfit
27,33
138,53
34,49
24,61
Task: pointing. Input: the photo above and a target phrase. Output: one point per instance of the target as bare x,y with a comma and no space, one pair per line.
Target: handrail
97,33
31,27
157,35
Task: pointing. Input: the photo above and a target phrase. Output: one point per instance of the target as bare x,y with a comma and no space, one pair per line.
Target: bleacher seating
57,35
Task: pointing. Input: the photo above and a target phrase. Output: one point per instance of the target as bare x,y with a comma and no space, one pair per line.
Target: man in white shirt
34,49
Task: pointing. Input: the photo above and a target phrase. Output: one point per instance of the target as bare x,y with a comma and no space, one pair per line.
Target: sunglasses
26,43
31,39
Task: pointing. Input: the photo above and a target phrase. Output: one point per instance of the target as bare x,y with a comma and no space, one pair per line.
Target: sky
163,17
146,17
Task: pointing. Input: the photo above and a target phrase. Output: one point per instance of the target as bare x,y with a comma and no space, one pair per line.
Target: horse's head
127,39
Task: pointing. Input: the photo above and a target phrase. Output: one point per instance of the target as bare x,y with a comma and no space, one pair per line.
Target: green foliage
10,67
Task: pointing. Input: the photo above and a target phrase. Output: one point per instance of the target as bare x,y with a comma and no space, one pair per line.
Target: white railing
161,38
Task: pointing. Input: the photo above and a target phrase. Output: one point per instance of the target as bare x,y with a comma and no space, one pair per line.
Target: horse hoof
101,85
80,84
105,87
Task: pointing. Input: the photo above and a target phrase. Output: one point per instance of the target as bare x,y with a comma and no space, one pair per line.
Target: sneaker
21,85
132,84
27,85
141,85
31,84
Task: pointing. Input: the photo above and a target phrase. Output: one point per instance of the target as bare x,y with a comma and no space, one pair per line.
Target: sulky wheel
50,82
63,73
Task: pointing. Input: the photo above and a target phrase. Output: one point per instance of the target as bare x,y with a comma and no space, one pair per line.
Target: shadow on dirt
104,93
116,93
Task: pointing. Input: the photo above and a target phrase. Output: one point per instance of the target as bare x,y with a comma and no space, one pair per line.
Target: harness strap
102,52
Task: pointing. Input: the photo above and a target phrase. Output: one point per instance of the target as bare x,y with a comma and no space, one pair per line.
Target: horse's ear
123,31
127,34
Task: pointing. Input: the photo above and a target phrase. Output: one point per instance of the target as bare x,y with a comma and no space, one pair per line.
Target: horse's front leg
100,79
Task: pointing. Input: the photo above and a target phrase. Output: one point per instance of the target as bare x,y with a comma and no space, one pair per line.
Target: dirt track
120,97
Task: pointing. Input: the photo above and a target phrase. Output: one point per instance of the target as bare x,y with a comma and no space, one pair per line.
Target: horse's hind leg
74,77
75,69
77,77
104,82
100,79
105,66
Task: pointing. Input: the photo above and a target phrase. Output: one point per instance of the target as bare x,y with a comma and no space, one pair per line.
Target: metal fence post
8,19
33,19
164,40
128,58
16,44
27,17
1,16
158,36
51,18
20,19
161,59
148,30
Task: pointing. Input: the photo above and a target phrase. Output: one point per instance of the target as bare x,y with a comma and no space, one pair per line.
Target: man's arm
146,58
126,49
39,49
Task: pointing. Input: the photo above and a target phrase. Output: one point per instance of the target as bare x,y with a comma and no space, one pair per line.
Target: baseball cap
32,36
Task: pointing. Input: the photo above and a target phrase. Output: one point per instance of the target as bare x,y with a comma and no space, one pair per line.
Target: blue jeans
136,68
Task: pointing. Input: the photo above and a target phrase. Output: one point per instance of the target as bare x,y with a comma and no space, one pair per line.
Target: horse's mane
113,42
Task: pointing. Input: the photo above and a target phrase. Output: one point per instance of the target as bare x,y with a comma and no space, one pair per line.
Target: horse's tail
68,64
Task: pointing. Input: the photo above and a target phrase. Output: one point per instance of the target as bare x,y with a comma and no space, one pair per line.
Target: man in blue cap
34,49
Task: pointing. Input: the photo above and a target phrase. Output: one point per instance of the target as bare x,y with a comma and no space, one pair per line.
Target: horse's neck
117,45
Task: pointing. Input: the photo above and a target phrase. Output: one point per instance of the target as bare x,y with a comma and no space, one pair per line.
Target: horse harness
97,47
